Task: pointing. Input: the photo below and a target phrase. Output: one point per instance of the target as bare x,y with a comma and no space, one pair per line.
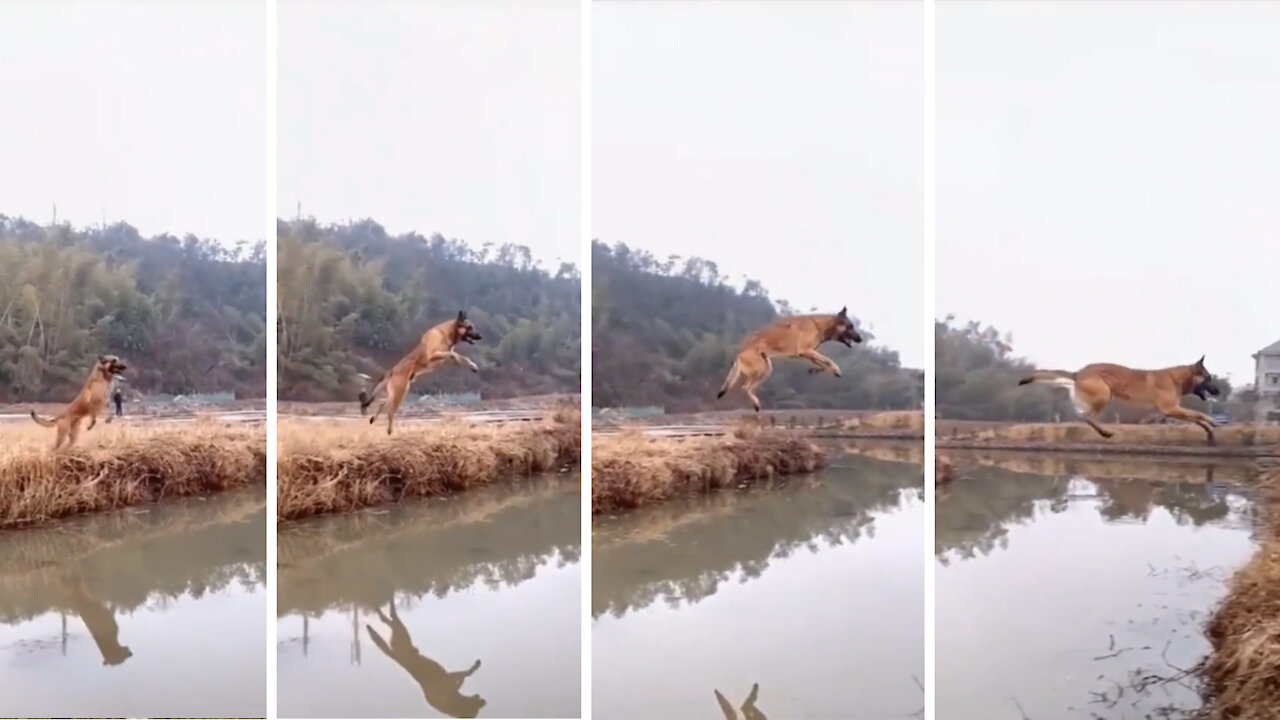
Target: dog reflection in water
100,621
439,686
749,709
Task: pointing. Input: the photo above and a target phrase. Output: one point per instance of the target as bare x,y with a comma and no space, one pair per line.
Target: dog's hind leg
755,379
393,404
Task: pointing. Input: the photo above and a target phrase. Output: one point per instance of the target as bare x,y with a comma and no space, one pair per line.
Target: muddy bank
429,408
632,469
114,466
893,425
339,466
1170,439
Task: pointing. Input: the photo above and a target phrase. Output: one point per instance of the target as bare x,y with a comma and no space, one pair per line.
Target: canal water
1082,592
464,607
800,600
156,611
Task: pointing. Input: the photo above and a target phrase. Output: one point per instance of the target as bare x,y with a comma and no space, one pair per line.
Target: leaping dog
1093,386
91,401
793,336
434,349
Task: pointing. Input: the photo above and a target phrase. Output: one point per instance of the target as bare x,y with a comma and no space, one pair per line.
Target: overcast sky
782,140
154,114
1108,179
457,118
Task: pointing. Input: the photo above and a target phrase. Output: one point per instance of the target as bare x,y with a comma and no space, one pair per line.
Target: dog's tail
42,421
367,396
1049,377
734,371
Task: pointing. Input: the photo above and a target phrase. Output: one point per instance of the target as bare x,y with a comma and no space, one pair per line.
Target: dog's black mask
1205,389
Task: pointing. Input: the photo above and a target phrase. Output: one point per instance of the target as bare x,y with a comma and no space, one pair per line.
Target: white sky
154,113
457,118
781,140
1108,176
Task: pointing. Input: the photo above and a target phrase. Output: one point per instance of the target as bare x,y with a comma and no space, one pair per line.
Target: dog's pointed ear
844,312
462,316
1200,362
102,358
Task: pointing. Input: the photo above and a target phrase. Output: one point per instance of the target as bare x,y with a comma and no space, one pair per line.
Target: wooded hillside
664,332
354,299
187,315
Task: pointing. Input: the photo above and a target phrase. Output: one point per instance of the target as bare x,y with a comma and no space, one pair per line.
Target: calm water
1069,597
811,591
157,611
462,607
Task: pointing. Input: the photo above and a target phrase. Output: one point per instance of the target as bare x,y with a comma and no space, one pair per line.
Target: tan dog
1093,386
91,401
434,349
793,336
441,688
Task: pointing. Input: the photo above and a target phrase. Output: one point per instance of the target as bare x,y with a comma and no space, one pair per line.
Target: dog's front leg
455,357
93,420
822,361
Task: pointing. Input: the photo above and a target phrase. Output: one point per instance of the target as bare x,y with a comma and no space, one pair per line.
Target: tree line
665,332
977,378
187,315
354,299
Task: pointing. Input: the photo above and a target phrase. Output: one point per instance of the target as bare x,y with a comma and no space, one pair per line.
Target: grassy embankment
1242,675
632,469
1155,439
340,466
118,465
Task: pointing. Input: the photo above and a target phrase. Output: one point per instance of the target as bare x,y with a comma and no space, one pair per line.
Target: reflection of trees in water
133,560
498,538
974,514
682,551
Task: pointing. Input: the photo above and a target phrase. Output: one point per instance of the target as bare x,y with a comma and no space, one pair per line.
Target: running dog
433,350
793,336
91,401
1093,386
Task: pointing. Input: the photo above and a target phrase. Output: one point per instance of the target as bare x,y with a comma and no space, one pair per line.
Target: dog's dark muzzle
850,338
1206,388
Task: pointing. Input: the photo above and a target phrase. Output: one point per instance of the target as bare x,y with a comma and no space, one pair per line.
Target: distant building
1267,364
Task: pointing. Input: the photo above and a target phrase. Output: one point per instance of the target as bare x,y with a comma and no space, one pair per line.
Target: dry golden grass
1242,675
117,465
901,420
1135,435
631,469
339,466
